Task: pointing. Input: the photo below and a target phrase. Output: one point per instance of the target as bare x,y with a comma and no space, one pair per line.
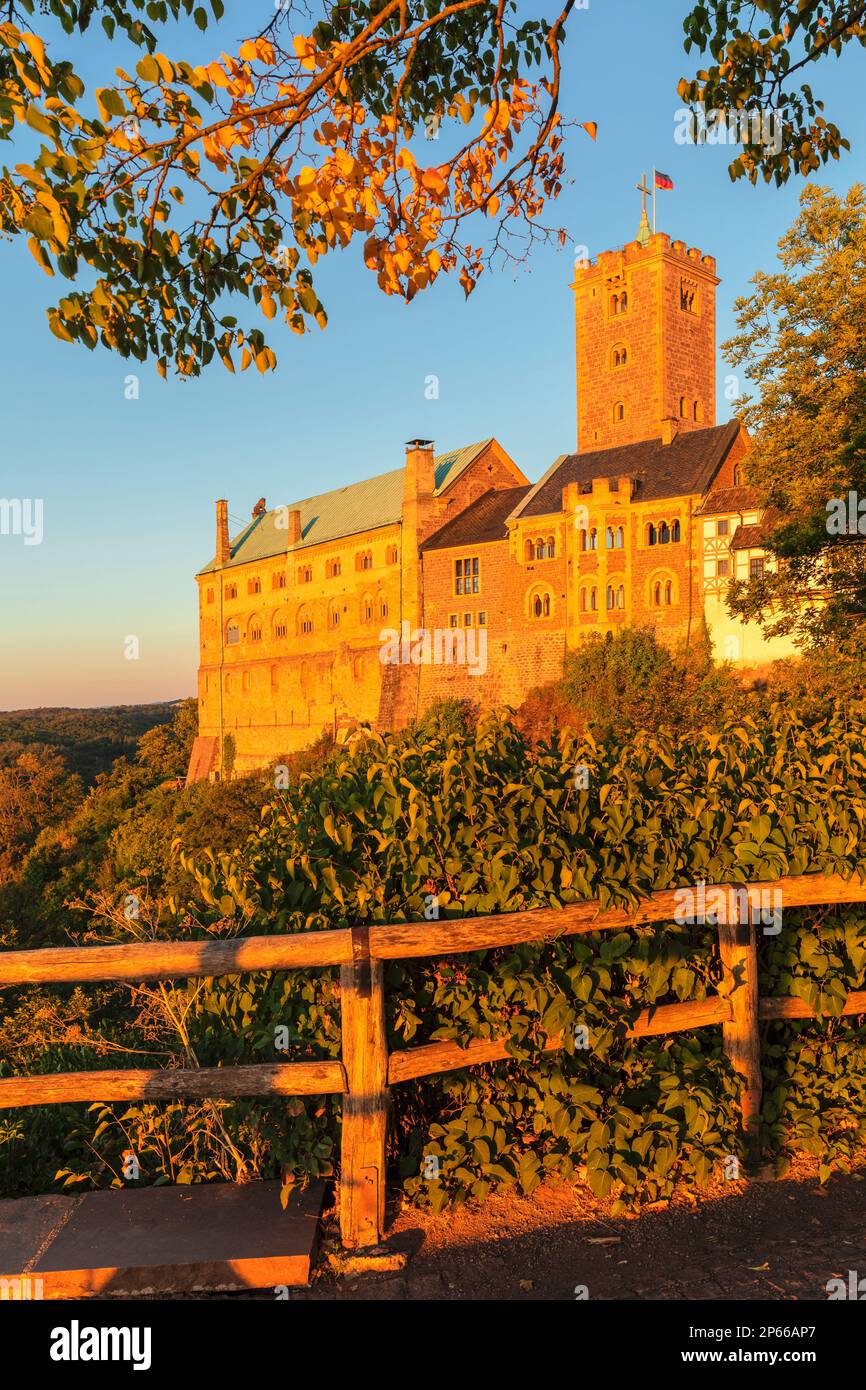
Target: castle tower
645,326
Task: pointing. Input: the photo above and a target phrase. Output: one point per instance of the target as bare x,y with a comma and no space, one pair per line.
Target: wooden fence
366,1071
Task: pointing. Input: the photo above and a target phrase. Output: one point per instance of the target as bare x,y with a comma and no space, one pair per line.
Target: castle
454,576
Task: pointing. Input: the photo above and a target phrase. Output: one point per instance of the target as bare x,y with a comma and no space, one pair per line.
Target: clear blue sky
129,486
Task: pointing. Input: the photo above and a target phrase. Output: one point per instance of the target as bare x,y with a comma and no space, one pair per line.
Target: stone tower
645,323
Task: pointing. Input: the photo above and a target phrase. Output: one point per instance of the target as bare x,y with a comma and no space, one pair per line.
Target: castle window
551,547
608,538
698,412
682,407
539,549
466,576
364,560
529,551
619,538
231,591
620,597
383,608
614,304
756,568
593,600
610,597
305,622
623,302
651,536
467,619
367,608
619,356
688,297
279,581
255,630
592,541
675,531
723,568
657,594
618,413
332,569
233,634
280,625
210,595
333,616
539,604
453,620
254,586
305,574
669,592
482,618
722,526
664,533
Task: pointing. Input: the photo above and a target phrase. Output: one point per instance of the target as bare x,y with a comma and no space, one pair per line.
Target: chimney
669,429
223,549
419,520
294,526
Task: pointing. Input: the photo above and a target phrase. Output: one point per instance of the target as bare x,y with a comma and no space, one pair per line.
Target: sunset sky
128,486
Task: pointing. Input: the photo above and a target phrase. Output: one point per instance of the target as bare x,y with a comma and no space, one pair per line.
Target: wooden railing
366,1070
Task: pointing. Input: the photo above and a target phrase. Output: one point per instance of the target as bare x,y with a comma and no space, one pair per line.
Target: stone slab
205,1237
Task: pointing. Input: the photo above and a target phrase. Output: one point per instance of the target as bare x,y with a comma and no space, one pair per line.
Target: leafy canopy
802,342
757,48
177,186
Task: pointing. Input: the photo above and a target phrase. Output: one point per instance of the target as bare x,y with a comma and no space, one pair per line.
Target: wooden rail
366,1070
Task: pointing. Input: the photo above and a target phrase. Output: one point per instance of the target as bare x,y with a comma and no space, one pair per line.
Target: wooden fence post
365,1102
741,1038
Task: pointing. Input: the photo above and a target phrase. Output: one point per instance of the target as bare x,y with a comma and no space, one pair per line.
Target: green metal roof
330,516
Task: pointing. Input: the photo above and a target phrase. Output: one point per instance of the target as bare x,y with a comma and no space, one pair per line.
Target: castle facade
454,576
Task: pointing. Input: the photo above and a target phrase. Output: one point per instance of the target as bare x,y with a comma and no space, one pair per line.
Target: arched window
619,539
333,615
305,622
623,302
255,629
233,634
254,586
682,407
592,542
383,608
279,580
664,534
281,627
333,569
620,597
551,547
390,556
583,538
584,600
247,681
539,549
698,411
610,597
367,609
669,592
536,606
608,537
539,604
675,531
657,594
651,536
529,551
231,591
614,304
593,600
618,413
619,356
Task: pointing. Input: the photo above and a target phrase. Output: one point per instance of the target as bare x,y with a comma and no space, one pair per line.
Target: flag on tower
663,180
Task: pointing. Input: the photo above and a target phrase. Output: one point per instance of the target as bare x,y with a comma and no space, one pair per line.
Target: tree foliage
802,342
759,52
176,186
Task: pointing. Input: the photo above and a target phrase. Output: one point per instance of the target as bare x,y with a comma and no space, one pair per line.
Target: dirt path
761,1241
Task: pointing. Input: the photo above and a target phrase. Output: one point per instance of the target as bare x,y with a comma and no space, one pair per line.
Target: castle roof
345,511
484,520
687,465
